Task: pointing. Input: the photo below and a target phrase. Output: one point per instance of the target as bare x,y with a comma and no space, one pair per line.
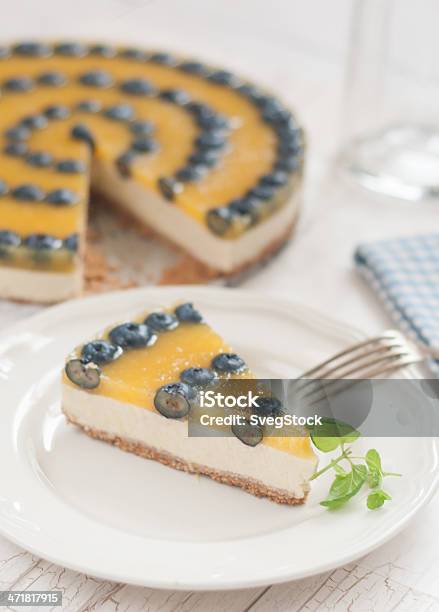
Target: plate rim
301,312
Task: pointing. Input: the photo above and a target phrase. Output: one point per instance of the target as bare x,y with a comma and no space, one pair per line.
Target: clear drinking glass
390,140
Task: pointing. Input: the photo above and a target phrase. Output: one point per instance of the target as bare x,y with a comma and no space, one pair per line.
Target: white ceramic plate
90,507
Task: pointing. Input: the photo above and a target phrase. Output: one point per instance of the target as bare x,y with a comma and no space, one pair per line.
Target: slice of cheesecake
136,384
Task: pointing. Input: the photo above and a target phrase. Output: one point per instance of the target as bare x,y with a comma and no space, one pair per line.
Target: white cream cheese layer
37,286
196,239
273,468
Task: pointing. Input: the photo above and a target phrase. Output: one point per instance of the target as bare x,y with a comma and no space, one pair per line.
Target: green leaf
345,487
374,479
332,434
373,461
376,499
339,470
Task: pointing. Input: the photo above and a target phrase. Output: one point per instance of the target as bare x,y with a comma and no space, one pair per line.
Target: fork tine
367,359
318,394
371,369
389,337
355,359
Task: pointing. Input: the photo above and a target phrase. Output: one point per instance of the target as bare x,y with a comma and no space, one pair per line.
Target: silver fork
371,358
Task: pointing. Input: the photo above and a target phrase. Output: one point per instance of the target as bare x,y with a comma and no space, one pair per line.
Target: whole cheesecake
206,160
136,384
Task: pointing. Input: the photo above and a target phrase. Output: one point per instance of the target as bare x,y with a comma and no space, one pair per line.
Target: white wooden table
284,46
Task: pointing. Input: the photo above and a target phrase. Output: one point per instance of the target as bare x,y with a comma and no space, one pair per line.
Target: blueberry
191,173
100,352
248,434
137,87
27,193
223,77
132,335
289,147
142,128
228,363
17,133
144,145
9,239
263,192
275,113
173,400
43,242
176,96
268,102
284,118
161,321
200,110
134,54
193,67
3,187
71,166
70,49
120,112
89,106
214,122
290,129
268,406
219,220
71,243
85,375
275,179
163,58
187,313
246,206
198,377
52,78
102,50
16,149
288,163
18,84
206,157
124,162
81,132
39,159
169,187
96,78
211,140
34,122
31,49
251,92
290,151
62,197
57,112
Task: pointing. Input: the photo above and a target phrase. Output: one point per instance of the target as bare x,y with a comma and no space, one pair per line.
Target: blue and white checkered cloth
404,272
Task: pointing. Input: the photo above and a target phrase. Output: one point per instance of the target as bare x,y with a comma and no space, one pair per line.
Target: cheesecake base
252,486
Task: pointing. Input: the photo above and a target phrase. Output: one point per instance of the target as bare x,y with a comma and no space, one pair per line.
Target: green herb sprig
352,473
